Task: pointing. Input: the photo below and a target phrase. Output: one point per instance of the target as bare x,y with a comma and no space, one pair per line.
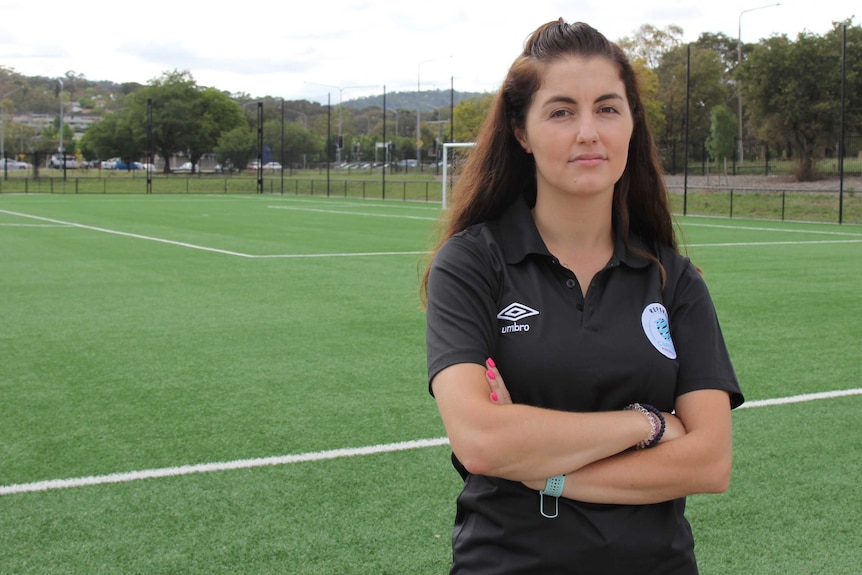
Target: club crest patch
657,329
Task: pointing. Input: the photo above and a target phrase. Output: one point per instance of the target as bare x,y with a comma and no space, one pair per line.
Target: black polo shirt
495,290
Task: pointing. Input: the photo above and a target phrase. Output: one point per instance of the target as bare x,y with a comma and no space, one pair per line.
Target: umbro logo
514,312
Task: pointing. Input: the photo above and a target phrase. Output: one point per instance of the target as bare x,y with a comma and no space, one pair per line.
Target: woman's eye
559,113
608,110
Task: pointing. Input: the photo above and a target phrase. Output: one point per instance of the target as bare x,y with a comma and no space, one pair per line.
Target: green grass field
236,384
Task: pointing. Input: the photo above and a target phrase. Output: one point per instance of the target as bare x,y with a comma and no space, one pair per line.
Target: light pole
340,138
738,64
61,123
418,110
3,122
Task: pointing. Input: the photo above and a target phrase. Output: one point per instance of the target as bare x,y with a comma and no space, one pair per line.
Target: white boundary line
393,253
344,213
214,250
763,229
130,476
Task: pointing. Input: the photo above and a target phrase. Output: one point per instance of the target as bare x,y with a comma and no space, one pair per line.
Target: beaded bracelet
656,421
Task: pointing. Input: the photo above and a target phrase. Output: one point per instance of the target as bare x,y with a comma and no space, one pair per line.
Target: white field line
393,253
130,476
762,229
757,244
127,234
343,213
205,248
8,225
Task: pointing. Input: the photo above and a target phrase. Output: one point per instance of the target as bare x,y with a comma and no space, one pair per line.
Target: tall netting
454,154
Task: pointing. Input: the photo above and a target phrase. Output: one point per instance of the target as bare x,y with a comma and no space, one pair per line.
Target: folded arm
521,442
695,459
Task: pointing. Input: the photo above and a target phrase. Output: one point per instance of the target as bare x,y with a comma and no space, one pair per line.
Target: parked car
56,161
9,164
272,166
185,167
121,165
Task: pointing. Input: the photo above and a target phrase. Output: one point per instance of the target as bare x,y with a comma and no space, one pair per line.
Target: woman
574,354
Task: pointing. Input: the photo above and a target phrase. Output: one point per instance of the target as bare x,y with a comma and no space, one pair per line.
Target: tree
470,115
215,113
705,89
721,43
721,143
235,148
300,143
793,89
115,135
650,44
649,88
186,119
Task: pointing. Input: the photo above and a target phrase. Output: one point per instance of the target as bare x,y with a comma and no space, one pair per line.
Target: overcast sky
355,47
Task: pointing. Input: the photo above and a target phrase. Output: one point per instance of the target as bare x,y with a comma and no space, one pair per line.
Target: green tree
649,87
115,135
650,44
235,148
723,45
186,119
793,89
215,113
470,114
705,91
722,131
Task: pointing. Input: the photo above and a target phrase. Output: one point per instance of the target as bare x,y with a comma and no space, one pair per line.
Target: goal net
454,154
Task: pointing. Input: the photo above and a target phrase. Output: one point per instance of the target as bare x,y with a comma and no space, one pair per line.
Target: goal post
450,165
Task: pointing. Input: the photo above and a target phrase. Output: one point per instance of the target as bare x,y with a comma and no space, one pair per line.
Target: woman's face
578,127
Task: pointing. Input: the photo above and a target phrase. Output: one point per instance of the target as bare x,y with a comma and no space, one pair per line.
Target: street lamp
739,63
340,94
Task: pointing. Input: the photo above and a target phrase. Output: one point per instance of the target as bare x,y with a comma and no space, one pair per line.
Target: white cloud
275,48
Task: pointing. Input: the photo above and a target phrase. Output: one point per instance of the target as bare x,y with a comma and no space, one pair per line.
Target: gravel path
832,184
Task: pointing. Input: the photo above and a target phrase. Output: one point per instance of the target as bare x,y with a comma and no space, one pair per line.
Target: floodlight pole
739,64
3,121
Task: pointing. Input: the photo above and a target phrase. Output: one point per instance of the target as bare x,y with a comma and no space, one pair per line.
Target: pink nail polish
493,396
491,363
490,374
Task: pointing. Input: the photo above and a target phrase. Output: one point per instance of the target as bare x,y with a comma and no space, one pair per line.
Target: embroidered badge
657,329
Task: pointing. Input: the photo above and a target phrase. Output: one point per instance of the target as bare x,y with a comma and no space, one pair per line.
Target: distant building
78,122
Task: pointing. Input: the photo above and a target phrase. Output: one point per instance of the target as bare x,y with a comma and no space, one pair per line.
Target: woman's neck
570,225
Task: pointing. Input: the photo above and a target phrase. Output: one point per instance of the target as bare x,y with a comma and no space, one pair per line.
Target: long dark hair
498,170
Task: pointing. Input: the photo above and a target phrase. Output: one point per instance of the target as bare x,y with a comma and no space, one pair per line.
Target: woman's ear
521,136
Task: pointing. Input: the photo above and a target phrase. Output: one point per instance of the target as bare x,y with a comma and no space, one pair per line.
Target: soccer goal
453,157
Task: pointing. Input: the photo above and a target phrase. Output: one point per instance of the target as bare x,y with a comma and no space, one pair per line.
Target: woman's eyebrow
561,99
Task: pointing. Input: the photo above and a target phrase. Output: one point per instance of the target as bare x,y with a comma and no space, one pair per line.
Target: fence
714,196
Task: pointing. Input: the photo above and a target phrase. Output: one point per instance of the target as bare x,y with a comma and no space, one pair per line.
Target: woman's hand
499,395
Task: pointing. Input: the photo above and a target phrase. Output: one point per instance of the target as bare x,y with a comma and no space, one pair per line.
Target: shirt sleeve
704,361
461,304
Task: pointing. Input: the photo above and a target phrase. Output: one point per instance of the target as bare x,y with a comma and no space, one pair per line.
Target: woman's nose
587,132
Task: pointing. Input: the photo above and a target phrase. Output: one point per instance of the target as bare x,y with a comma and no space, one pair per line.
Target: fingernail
493,396
491,363
490,374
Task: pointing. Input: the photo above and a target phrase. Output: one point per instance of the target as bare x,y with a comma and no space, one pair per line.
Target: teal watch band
554,486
